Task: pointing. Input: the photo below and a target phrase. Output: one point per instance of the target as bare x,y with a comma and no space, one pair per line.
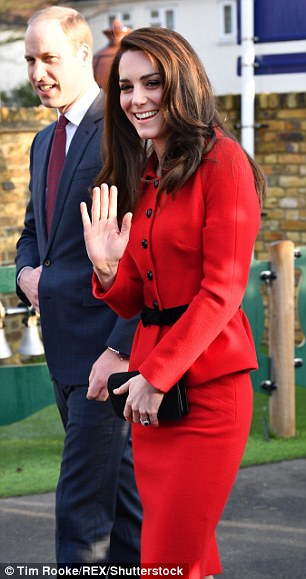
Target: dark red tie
56,161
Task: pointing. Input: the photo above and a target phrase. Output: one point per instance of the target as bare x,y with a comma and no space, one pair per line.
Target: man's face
55,68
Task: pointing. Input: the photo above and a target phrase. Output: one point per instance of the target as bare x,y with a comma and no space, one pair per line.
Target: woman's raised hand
105,242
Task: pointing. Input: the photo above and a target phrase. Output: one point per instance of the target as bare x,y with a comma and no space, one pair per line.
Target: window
124,17
228,20
169,17
163,17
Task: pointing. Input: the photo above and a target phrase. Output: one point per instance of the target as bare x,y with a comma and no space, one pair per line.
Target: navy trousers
98,511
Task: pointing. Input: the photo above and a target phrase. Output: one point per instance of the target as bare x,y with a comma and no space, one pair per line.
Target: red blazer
194,249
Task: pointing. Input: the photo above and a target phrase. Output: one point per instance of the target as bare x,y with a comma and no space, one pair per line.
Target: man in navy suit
98,513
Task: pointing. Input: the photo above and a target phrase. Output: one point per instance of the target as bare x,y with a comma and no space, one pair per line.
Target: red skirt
185,471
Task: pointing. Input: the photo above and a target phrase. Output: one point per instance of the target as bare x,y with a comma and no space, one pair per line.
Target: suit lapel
83,134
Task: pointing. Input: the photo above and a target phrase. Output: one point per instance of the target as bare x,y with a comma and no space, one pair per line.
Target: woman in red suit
195,196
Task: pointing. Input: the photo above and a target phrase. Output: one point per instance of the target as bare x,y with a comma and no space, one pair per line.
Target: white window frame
161,19
225,36
119,15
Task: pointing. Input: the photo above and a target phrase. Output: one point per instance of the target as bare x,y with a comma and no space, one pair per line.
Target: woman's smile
145,115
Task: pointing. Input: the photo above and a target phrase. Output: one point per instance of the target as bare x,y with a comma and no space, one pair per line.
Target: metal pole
247,75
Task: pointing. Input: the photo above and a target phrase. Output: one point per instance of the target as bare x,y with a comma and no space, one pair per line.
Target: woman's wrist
106,274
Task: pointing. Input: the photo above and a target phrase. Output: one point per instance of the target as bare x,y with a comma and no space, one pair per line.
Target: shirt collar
80,108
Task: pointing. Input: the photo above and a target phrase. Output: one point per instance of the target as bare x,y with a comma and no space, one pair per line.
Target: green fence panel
254,309
7,279
300,349
24,389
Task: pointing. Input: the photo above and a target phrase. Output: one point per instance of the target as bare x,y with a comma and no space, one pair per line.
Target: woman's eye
153,83
125,87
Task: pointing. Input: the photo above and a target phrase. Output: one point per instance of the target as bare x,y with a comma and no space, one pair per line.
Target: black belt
165,317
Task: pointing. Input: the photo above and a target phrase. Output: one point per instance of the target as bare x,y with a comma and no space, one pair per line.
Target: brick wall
18,128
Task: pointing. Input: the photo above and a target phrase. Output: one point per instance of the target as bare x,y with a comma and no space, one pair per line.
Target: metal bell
5,350
31,344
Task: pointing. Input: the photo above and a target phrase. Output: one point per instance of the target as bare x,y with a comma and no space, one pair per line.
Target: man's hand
28,283
108,363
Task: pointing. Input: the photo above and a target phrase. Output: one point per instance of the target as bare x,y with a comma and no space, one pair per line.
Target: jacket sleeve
122,334
126,295
130,303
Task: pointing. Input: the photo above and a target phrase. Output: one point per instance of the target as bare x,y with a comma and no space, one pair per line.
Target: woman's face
141,95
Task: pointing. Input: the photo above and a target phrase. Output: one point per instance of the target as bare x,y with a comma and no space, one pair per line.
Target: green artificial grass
262,446
30,450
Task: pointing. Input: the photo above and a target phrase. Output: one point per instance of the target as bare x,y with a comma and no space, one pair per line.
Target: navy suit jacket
76,326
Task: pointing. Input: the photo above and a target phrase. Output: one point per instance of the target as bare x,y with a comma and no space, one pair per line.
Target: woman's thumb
126,224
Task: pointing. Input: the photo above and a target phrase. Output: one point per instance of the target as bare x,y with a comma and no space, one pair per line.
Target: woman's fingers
104,201
122,389
100,203
112,203
95,206
153,420
84,213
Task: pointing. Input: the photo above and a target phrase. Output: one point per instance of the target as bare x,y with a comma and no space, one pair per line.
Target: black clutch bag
174,404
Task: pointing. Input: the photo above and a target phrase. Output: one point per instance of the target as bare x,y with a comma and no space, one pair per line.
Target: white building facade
209,25
211,28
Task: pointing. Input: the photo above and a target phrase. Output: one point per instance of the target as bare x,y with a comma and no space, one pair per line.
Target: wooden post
281,339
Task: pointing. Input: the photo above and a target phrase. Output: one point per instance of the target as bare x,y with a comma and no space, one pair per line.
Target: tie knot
62,122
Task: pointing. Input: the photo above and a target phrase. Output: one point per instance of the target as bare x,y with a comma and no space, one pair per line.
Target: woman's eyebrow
143,77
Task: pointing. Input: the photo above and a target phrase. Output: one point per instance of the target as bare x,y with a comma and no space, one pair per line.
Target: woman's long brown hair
189,108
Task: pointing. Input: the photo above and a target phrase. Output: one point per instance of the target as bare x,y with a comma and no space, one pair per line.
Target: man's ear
86,53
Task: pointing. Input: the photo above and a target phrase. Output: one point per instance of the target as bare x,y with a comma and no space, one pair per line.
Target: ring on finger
145,421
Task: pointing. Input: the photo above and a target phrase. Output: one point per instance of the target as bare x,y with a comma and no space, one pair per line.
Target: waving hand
105,242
